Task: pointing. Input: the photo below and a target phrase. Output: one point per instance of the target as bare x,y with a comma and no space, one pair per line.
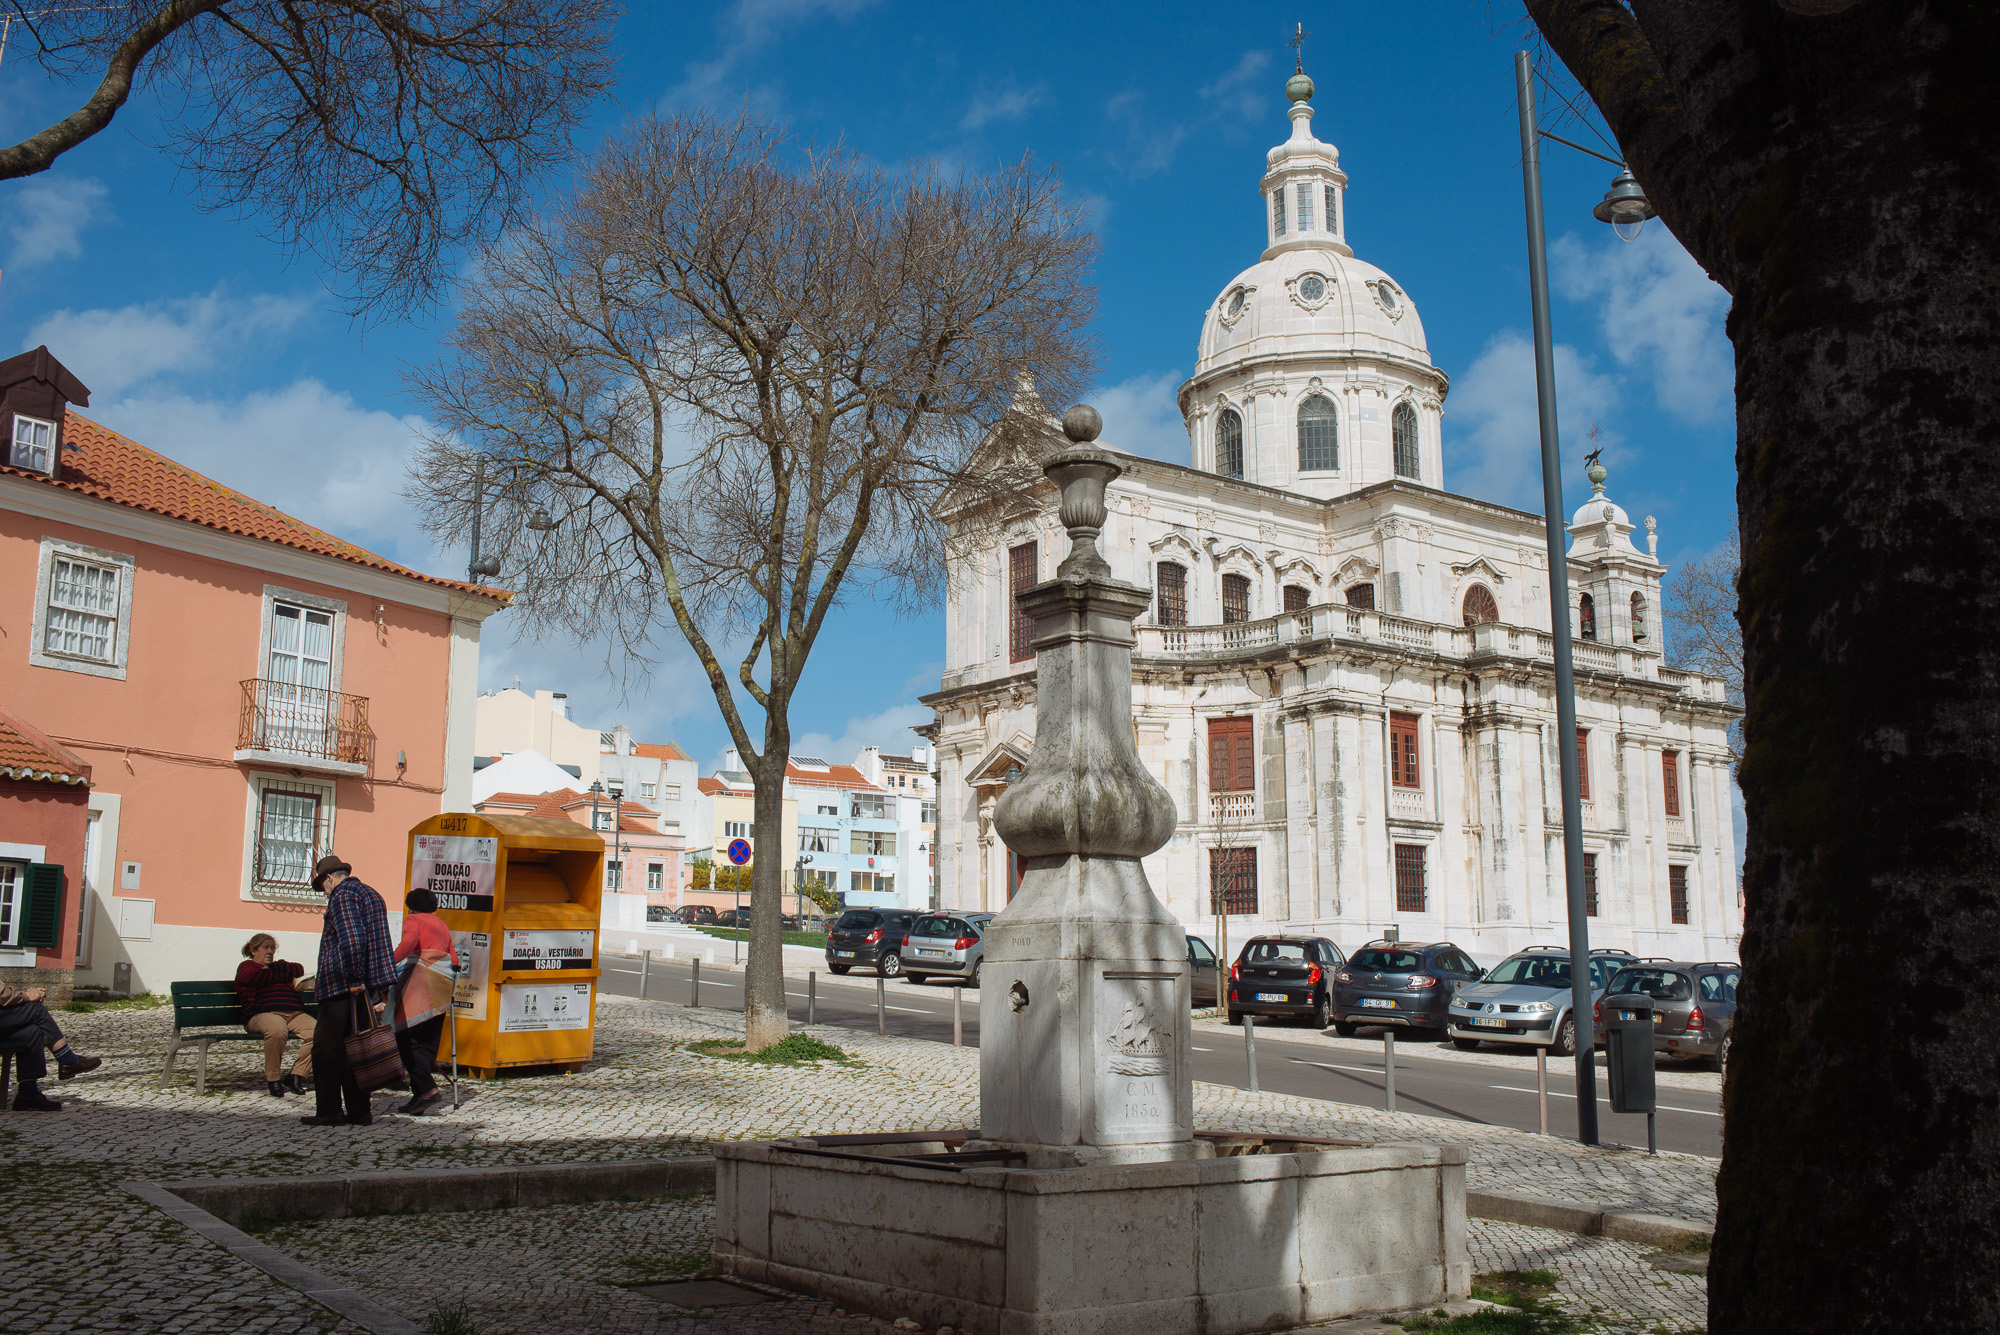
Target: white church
1346,678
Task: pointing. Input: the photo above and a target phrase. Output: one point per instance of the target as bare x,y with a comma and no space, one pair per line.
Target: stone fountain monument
1088,1201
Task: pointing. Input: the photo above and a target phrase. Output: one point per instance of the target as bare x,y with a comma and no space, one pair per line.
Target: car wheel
1343,1028
1236,1017
1565,1044
918,978
1466,1044
1722,1057
1321,1016
839,968
972,979
890,965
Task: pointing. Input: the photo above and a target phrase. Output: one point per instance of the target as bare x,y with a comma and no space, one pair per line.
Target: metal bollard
1250,1048
957,1029
1389,1066
645,969
812,994
881,1006
694,998
1542,1085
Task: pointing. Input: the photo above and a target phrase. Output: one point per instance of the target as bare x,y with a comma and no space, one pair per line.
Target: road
1288,1062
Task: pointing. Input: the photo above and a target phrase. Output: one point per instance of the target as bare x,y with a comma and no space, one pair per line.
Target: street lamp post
1626,208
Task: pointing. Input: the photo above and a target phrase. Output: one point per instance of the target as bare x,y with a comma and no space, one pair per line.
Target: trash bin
1628,1040
522,898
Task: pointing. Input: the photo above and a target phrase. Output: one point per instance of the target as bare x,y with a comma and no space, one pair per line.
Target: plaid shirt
354,943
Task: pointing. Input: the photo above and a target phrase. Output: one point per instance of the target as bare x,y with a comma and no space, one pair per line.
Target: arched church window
1297,598
1319,435
1170,593
1229,444
1403,433
1361,596
1235,599
1638,618
1586,617
1479,607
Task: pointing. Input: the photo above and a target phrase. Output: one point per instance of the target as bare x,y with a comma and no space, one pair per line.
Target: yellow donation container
522,897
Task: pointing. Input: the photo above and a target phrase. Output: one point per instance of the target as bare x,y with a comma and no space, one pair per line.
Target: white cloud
1237,94
47,215
308,450
113,350
748,26
1142,416
1006,101
1661,316
1495,432
889,729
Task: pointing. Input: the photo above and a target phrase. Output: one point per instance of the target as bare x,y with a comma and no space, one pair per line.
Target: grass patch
1515,1288
145,1001
453,1320
1525,1309
798,1050
817,940
689,1263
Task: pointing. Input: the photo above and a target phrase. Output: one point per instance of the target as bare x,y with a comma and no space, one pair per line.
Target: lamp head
540,520
1625,207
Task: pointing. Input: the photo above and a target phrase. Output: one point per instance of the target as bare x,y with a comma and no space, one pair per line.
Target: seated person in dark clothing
24,1019
268,988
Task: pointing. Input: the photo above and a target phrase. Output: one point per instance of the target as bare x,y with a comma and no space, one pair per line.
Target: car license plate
1272,996
932,954
844,954
1494,1023
1378,1003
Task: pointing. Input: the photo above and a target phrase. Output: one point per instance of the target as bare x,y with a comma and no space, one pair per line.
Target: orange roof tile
569,804
659,751
100,463
833,776
26,752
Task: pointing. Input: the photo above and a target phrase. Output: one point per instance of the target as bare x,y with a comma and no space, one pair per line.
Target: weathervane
1592,434
1298,45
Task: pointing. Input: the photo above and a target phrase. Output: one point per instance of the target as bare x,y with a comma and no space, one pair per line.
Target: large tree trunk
1838,171
765,1017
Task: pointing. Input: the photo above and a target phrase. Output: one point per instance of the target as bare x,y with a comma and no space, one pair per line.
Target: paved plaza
83,1255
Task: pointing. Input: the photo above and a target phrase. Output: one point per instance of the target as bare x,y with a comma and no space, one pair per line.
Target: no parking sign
739,851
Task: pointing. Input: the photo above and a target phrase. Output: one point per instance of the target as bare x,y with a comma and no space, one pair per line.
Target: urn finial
1083,474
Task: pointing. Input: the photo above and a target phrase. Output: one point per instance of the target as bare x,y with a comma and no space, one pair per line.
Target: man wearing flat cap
354,961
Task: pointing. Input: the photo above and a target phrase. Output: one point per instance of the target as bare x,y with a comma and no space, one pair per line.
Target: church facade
1346,679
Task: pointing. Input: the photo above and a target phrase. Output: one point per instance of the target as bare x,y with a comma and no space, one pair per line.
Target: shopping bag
423,991
371,1052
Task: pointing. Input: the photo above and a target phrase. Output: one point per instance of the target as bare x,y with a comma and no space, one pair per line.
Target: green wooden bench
206,1014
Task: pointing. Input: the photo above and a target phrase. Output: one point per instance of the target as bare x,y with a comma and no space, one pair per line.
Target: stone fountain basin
1266,1233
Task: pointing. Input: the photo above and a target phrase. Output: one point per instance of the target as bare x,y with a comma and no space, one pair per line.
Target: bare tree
741,375
1703,633
382,135
1832,164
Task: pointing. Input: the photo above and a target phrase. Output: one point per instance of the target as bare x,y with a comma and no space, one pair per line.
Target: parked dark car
1405,983
1285,976
869,939
1204,975
1694,1005
692,914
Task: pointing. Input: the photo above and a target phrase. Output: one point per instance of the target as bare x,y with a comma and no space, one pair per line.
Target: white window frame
13,881
818,839
54,548
54,446
648,790
603,821
656,877
614,874
739,829
271,892
275,594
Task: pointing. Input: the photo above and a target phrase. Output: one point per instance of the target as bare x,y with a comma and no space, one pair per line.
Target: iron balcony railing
307,722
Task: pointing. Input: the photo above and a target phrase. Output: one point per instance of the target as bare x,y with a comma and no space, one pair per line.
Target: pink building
639,858
247,690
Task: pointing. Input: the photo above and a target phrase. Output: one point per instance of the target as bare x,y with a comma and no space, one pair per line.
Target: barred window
1412,888
1229,444
1235,599
83,610
1361,595
1170,593
291,828
1403,433
1023,566
1677,893
1297,598
1479,607
1590,885
1232,881
1319,435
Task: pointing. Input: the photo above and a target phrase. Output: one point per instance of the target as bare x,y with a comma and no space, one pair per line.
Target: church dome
1312,303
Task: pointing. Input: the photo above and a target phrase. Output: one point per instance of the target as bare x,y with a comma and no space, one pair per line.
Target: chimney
621,740
36,392
561,705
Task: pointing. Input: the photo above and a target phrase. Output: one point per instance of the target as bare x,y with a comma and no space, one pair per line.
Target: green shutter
41,911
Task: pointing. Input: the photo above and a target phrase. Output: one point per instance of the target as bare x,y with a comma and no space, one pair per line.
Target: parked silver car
946,945
1525,1000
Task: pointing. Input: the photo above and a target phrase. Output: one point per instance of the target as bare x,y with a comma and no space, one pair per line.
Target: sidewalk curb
1588,1218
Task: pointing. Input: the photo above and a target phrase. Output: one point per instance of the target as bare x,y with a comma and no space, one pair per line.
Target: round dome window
1236,303
1388,295
1312,287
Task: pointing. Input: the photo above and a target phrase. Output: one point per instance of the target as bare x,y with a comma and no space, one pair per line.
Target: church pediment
1176,541
1356,569
993,766
1480,566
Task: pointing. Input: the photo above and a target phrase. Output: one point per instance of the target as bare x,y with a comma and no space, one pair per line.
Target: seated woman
268,988
425,935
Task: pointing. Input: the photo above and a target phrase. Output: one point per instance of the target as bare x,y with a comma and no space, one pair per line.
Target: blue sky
200,339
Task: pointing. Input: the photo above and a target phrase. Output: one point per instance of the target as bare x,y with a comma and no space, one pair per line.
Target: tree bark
1845,193
766,1018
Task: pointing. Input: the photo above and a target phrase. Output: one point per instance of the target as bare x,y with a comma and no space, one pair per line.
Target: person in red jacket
426,936
268,988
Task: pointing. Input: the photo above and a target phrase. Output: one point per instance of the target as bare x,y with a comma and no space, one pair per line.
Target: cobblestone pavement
94,1259
1611,1284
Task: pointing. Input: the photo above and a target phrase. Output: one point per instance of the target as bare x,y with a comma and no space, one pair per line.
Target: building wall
513,720
162,739
46,822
